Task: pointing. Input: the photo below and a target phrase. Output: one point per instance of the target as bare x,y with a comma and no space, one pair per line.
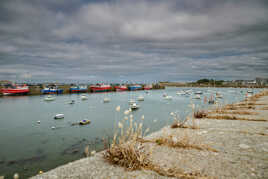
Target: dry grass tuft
264,108
219,111
130,155
184,143
200,114
177,124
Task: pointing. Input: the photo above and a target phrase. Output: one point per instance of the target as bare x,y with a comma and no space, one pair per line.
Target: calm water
27,147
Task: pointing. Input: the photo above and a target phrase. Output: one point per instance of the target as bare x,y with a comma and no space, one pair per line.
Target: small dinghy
197,97
106,100
59,116
84,97
168,97
72,102
134,106
199,92
140,98
49,98
218,95
84,122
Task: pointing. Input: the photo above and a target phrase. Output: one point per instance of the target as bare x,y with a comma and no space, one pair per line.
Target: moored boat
106,100
78,89
101,88
197,96
49,98
15,90
84,122
121,88
134,87
140,98
52,90
134,106
148,87
59,116
84,97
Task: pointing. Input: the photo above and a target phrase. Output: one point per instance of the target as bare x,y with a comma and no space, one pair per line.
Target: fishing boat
121,88
135,87
84,122
100,88
52,90
140,98
84,97
78,89
59,116
148,87
49,98
15,90
134,106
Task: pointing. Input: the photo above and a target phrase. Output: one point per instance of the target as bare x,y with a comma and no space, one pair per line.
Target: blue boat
134,87
78,89
52,90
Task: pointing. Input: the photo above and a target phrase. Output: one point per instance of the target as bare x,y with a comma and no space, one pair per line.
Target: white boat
164,94
140,98
59,116
197,96
199,92
168,97
134,106
131,101
250,91
84,97
180,93
49,98
106,100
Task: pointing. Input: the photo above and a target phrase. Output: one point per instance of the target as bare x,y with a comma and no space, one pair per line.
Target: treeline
210,81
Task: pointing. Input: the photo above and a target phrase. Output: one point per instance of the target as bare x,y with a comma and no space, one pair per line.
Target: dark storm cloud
141,40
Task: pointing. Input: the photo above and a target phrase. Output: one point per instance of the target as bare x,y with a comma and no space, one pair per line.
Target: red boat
100,88
15,90
148,87
121,88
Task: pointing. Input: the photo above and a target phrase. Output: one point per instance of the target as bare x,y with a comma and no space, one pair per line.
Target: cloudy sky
136,40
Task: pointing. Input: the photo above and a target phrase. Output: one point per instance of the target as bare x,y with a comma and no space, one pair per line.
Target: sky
133,40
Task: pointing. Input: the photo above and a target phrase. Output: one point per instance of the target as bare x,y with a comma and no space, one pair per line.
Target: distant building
262,81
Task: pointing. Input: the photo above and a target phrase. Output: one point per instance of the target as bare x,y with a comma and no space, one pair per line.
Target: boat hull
52,91
14,91
118,88
100,89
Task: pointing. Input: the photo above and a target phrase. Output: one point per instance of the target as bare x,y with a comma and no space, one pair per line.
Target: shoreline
241,147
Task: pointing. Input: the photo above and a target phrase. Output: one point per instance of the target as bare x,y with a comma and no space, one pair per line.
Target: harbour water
28,146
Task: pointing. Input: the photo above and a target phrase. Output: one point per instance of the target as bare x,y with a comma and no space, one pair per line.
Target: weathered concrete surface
242,152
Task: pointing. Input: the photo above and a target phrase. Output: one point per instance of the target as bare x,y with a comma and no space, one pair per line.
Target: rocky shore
220,147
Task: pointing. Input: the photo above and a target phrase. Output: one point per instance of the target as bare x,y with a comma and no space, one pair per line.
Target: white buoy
38,122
